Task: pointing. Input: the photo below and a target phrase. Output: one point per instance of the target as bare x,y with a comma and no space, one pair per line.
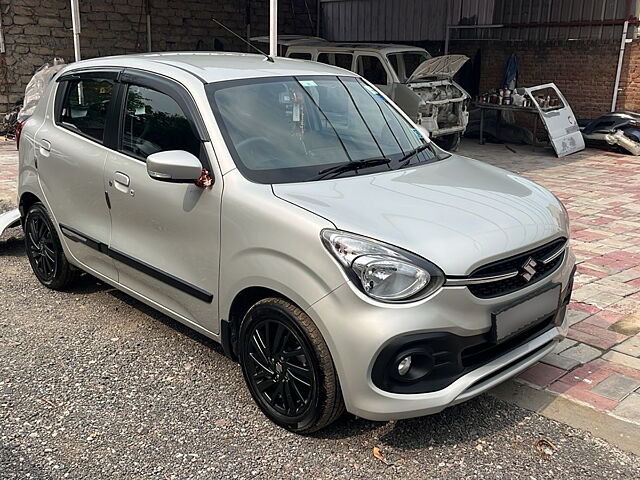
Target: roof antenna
268,57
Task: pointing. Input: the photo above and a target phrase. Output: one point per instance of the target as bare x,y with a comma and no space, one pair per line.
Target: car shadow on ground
485,413
168,321
12,243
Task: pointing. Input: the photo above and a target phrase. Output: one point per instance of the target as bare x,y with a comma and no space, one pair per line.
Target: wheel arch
27,199
242,302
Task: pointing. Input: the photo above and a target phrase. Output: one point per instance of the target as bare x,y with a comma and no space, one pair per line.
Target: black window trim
123,77
62,93
175,90
310,54
166,86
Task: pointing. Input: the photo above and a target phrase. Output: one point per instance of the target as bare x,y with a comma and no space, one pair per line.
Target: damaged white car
421,85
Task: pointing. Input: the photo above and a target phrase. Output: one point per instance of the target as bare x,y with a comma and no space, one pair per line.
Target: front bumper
357,329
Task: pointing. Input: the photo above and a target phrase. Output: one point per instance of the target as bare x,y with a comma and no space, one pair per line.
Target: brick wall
583,70
629,97
38,30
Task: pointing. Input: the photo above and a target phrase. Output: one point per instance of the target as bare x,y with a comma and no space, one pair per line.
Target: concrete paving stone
604,319
541,374
574,316
629,325
591,269
604,299
623,359
584,307
626,275
583,395
629,347
604,343
616,387
604,334
563,345
629,408
581,353
559,361
615,287
627,306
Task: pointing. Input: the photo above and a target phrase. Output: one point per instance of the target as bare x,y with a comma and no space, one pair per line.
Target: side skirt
186,287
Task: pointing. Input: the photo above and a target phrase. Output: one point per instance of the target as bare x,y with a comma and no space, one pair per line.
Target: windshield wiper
405,160
352,165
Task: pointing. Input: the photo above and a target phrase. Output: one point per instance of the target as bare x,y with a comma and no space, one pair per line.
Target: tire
45,253
298,392
449,143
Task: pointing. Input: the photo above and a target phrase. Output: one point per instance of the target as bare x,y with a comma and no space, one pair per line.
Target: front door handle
45,149
121,178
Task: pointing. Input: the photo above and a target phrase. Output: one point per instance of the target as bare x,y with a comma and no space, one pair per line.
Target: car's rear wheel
44,250
288,367
449,143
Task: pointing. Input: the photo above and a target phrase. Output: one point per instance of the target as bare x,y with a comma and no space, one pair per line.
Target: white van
421,85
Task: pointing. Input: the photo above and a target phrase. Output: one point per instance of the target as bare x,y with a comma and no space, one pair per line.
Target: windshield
405,63
292,129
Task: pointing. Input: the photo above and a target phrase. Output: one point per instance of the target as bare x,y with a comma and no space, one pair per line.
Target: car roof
213,66
383,47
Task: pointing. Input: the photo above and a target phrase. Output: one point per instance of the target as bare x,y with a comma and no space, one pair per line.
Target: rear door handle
121,178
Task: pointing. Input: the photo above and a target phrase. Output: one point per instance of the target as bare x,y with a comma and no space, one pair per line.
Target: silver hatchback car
288,210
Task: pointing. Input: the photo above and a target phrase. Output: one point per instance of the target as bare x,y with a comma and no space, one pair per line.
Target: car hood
458,213
440,67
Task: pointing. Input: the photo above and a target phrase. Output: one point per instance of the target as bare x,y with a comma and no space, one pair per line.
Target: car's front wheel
44,250
288,367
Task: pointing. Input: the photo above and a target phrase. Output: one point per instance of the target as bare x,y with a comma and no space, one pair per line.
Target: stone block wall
35,31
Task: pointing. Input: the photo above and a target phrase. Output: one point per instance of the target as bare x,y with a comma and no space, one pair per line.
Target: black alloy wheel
44,250
280,368
39,240
288,368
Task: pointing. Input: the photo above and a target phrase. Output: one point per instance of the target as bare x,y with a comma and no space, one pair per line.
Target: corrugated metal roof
414,20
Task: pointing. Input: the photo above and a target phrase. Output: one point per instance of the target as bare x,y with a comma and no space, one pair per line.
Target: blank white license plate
525,314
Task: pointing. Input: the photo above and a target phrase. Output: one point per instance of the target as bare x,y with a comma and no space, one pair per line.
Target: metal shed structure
419,20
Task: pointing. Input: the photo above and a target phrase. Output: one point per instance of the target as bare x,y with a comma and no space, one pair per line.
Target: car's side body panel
71,174
264,242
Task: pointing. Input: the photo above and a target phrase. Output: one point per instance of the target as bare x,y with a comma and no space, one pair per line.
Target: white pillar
273,28
75,19
148,31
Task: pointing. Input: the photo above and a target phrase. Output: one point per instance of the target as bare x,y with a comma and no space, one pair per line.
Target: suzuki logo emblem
528,270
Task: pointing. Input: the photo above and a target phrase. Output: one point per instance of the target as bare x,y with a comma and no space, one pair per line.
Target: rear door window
300,55
85,106
154,122
342,60
371,68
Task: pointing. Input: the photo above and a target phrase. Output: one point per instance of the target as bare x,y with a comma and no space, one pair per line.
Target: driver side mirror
175,166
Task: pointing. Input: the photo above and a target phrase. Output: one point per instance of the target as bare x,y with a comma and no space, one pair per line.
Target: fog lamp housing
412,365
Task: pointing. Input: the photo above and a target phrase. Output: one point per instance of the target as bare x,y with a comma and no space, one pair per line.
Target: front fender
270,243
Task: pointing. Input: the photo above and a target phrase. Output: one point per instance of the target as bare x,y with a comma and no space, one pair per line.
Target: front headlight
382,271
